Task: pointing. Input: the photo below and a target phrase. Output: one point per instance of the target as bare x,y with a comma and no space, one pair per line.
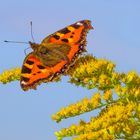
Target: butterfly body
54,55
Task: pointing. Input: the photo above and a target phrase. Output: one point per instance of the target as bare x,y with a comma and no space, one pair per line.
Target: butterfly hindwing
34,72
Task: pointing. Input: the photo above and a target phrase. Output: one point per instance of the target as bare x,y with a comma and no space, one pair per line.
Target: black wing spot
71,36
56,37
25,79
29,62
40,67
75,26
64,31
65,40
25,70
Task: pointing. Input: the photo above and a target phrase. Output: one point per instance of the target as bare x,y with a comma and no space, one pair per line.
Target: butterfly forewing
71,34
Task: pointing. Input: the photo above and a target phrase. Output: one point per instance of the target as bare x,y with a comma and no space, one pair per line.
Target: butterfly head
33,45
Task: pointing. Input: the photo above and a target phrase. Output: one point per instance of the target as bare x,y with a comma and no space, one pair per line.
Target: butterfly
54,55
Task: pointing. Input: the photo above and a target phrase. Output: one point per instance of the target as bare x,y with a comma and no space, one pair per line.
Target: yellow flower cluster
100,135
85,105
10,75
96,101
107,95
91,72
132,78
119,117
130,87
112,122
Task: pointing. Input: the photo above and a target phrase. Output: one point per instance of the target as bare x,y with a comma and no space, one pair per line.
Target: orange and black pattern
54,55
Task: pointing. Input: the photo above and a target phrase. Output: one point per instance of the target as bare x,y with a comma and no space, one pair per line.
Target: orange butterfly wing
73,35
33,70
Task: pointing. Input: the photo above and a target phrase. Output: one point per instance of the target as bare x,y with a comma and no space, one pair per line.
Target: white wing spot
78,23
23,83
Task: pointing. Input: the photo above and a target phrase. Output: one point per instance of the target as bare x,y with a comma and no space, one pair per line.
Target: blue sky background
27,115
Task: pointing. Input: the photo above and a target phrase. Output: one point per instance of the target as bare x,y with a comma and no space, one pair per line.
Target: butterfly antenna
26,50
7,41
32,31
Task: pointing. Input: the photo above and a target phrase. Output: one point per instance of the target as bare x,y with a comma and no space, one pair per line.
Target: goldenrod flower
107,95
10,75
108,124
85,105
95,100
117,98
